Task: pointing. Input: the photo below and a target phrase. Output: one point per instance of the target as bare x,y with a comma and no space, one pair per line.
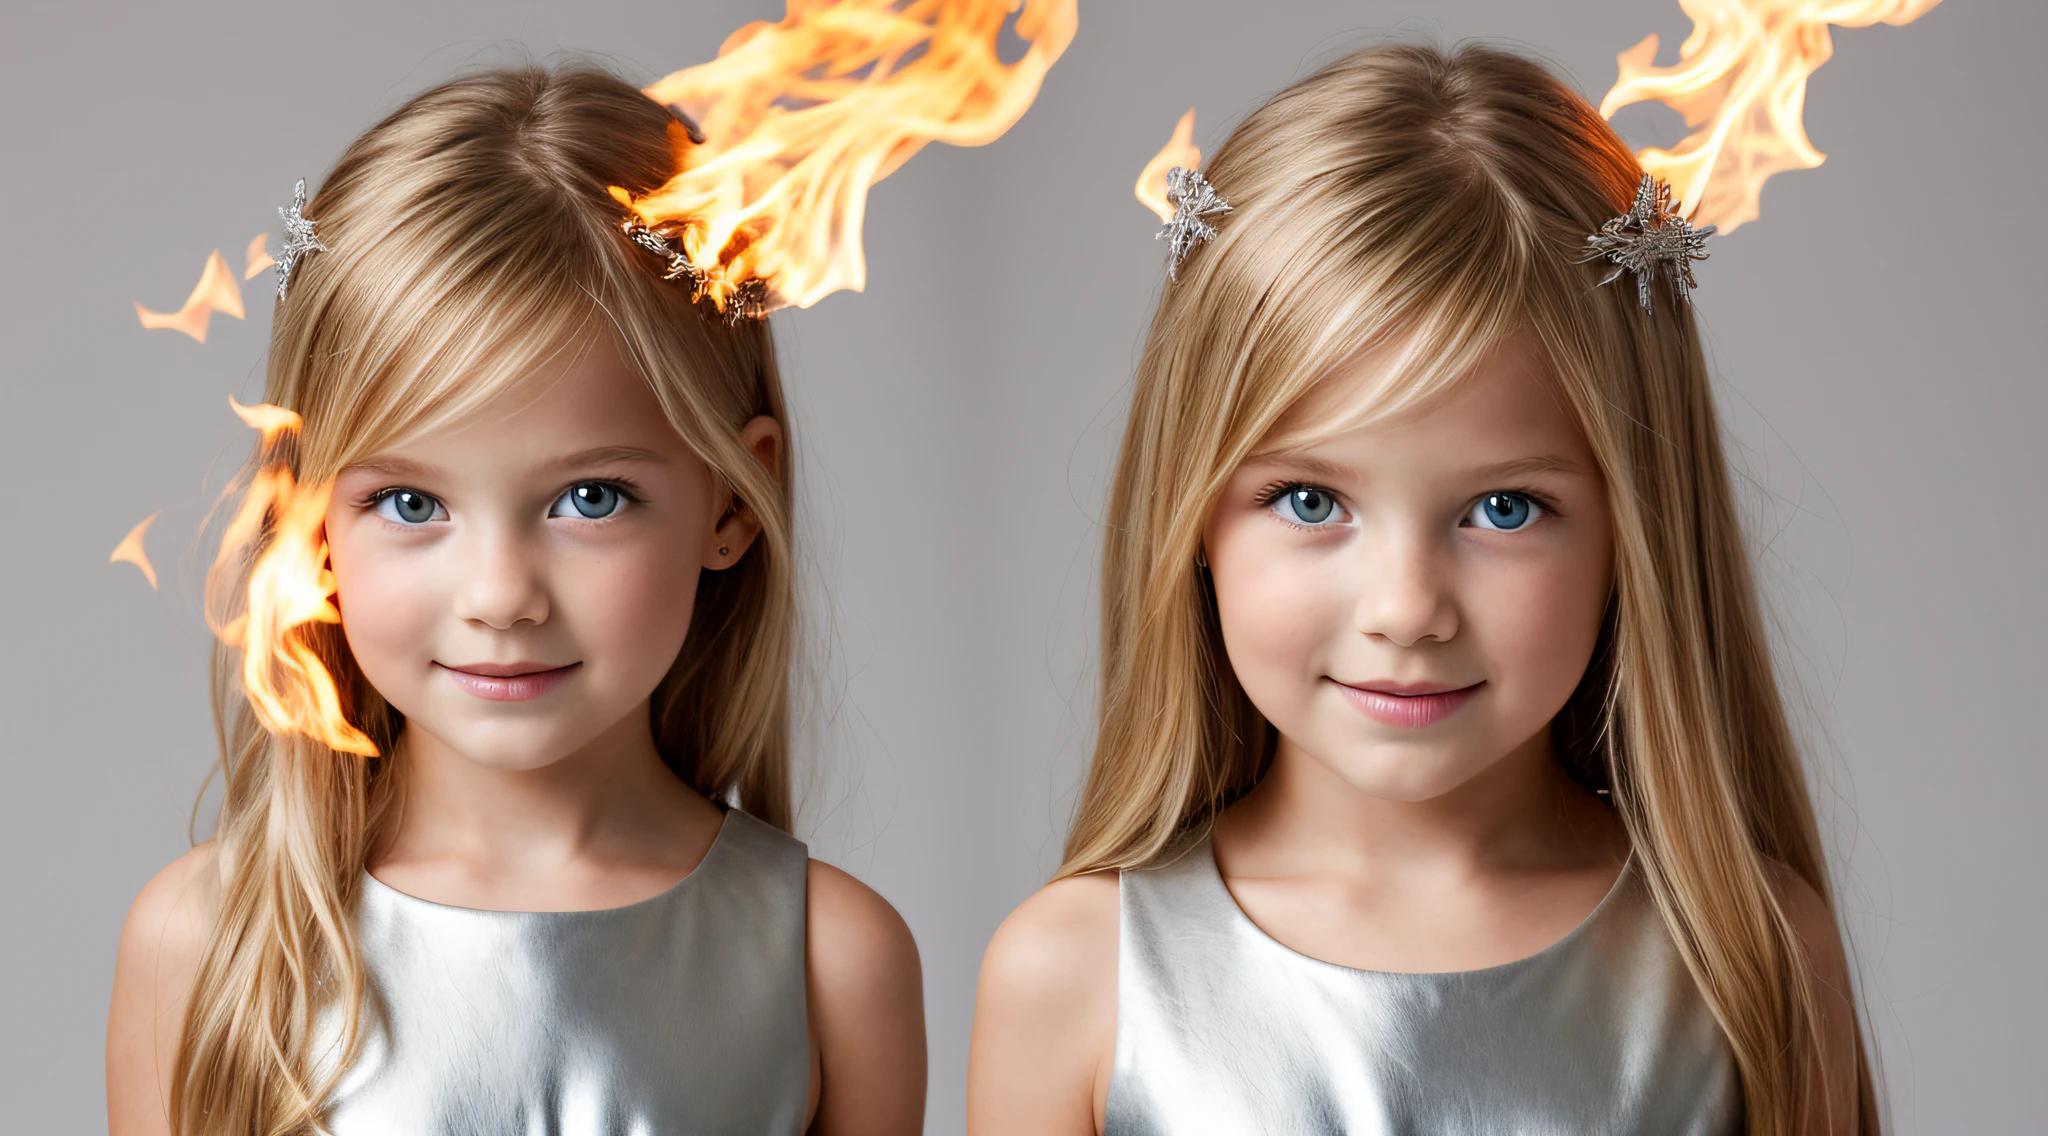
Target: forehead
1368,408
583,397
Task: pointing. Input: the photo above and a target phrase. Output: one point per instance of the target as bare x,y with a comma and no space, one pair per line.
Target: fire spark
217,291
794,121
130,550
1180,150
258,256
1740,82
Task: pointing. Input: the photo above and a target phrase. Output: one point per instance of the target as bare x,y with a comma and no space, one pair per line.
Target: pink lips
507,682
1410,706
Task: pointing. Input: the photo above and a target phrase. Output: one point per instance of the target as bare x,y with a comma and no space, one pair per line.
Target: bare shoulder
862,938
162,943
170,920
1061,943
1832,1101
1044,1037
866,993
1814,922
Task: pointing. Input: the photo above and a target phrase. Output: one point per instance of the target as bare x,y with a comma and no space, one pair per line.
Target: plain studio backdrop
1874,338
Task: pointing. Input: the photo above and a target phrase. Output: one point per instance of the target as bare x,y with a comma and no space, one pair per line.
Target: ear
736,525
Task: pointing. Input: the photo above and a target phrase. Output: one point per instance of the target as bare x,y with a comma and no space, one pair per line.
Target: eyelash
1543,500
627,487
369,500
1273,492
1271,495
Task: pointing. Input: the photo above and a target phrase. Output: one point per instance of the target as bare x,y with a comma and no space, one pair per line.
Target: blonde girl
561,895
1442,783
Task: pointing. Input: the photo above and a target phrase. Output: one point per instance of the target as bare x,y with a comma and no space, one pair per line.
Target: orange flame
794,121
258,256
217,291
130,550
289,586
1180,150
1740,82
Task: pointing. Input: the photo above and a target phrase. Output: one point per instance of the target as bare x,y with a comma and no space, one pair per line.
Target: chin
1405,773
508,747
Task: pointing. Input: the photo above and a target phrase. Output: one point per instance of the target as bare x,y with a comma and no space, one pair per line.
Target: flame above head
217,291
1740,82
130,550
283,525
258,256
1180,150
794,121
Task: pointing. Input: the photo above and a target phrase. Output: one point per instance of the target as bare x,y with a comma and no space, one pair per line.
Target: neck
604,802
1520,813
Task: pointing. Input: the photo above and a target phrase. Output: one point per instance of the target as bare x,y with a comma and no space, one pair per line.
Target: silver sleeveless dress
1221,1029
682,1014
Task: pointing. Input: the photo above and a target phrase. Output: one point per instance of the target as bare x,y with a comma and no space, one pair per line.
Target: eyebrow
393,467
1307,463
389,465
601,455
1537,463
1310,464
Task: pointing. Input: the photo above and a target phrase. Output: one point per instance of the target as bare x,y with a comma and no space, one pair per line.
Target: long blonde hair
1439,203
472,239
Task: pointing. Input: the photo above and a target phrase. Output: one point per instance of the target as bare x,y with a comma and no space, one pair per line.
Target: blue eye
409,507
1504,512
1309,505
589,499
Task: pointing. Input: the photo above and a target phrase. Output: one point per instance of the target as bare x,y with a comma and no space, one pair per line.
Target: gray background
1873,335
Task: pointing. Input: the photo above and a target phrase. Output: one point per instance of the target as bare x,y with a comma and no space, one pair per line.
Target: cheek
632,605
1278,612
1539,625
386,599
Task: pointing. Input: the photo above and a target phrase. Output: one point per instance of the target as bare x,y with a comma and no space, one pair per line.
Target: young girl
1442,783
559,896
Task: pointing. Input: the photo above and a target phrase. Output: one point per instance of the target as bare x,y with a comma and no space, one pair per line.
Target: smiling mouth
1408,706
508,682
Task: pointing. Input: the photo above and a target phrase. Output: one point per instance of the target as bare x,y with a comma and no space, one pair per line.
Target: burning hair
471,240
1436,203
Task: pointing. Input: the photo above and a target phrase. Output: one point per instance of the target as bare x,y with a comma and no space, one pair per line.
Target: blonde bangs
456,317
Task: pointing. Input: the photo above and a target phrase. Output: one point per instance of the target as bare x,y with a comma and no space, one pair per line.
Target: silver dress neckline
1222,1028
394,895
1607,899
682,1012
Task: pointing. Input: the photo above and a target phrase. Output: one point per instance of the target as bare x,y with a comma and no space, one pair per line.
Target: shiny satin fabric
1221,1029
681,1014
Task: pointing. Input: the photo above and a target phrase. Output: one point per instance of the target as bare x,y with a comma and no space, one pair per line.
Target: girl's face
518,583
1411,600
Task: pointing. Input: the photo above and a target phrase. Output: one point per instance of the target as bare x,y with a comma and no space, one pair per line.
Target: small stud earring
722,550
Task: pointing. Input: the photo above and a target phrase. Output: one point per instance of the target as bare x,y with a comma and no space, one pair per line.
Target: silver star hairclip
1651,238
299,238
749,300
1192,198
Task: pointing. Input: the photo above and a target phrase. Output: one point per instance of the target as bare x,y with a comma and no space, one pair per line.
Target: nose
1403,595
503,584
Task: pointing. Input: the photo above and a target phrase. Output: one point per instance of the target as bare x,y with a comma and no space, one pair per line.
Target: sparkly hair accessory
1650,238
748,300
1192,198
299,238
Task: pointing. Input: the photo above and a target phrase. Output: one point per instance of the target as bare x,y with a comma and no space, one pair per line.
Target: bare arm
1831,1100
161,945
867,1012
1045,1015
